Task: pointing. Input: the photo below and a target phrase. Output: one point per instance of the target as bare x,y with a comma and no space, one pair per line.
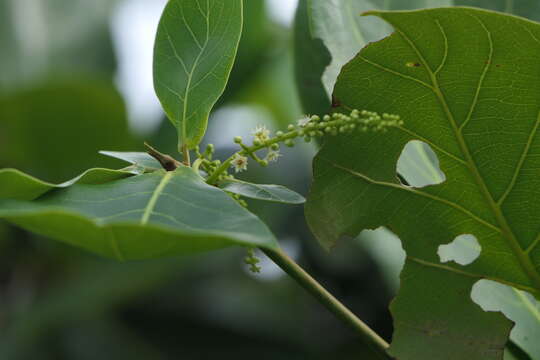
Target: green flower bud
289,143
238,139
274,147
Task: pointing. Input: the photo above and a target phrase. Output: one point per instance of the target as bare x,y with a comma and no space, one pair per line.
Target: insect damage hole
418,165
517,305
463,250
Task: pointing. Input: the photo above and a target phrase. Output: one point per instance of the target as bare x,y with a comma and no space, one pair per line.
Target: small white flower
261,133
304,121
239,163
272,155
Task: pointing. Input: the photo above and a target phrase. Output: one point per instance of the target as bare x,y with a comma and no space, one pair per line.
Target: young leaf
194,52
144,216
274,193
465,82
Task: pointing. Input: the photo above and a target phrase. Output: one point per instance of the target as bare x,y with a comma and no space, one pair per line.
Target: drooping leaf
144,216
466,82
17,185
311,58
274,193
194,52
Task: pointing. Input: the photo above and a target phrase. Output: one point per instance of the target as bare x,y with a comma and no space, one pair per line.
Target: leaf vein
417,192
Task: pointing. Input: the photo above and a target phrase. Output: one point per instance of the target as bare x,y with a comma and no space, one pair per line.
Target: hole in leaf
418,165
518,306
464,249
385,247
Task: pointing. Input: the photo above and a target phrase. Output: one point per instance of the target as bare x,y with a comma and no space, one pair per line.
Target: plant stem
185,155
225,165
378,344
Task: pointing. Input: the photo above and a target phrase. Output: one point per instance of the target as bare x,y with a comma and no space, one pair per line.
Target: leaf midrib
192,70
149,209
522,256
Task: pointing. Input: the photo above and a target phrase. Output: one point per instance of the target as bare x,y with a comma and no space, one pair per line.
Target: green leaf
17,185
139,159
338,25
467,83
314,98
144,216
195,47
274,193
526,8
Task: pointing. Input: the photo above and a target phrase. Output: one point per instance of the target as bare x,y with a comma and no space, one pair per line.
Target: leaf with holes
518,306
195,47
143,216
467,83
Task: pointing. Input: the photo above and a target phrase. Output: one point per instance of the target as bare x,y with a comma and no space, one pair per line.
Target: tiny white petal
273,155
304,121
239,163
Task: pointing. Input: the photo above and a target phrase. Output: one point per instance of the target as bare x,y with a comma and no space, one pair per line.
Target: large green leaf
526,8
336,28
466,82
194,52
144,216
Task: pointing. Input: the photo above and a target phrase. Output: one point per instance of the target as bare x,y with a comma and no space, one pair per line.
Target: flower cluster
306,128
338,123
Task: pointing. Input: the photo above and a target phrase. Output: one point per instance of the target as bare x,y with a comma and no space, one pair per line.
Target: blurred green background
75,78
